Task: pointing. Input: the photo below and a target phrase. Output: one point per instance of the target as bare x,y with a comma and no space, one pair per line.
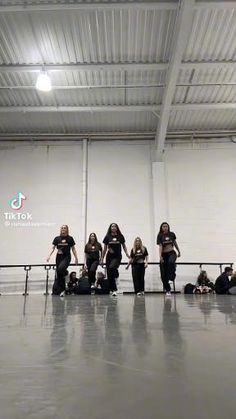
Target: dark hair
160,231
89,245
228,269
89,239
109,228
72,274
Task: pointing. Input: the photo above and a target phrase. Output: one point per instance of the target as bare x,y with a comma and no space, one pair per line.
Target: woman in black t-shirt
139,262
112,250
64,244
93,254
166,240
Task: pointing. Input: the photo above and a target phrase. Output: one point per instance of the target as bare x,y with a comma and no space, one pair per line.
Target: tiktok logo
17,201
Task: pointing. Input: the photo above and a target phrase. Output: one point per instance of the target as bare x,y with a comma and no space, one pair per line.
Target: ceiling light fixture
43,82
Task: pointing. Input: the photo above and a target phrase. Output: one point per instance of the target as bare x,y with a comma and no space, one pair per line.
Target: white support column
84,190
160,203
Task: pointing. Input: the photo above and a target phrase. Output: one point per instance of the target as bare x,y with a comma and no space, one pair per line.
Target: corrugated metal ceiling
133,33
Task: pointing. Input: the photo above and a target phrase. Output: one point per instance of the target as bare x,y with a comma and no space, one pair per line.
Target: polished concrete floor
97,357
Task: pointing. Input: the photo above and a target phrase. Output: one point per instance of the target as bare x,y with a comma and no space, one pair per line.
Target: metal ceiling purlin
54,6
28,68
183,27
138,58
118,108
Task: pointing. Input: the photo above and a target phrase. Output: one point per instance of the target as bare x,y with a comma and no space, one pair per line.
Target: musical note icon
17,201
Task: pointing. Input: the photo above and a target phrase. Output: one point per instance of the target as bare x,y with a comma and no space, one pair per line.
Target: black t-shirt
139,255
166,239
222,284
83,284
63,244
92,250
114,244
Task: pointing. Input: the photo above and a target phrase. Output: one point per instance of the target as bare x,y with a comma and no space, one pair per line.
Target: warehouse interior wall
192,189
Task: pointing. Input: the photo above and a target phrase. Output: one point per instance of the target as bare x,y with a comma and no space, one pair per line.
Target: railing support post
27,269
47,268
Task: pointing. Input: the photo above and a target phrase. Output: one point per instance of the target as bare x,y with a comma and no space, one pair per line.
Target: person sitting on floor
83,286
222,284
232,289
203,284
72,284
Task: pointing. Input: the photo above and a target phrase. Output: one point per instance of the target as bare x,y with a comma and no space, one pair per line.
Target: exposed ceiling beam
115,86
108,135
216,5
118,108
112,108
28,68
202,106
53,6
202,65
180,39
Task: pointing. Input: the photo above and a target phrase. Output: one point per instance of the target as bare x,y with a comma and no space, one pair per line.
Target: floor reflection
174,345
140,332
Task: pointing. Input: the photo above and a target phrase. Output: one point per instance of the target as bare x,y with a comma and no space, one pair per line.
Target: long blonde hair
67,229
135,245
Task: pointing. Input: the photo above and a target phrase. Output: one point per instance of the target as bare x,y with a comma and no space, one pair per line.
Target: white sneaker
114,294
168,294
63,293
139,293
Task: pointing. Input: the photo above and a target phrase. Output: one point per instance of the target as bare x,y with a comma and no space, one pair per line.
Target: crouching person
72,285
222,284
83,285
101,283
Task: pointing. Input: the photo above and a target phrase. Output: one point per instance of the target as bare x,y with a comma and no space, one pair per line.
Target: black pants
168,268
92,267
138,272
112,264
62,263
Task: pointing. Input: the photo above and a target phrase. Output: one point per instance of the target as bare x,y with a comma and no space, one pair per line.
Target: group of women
113,242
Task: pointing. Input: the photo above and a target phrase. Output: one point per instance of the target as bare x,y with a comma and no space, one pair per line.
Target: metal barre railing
49,266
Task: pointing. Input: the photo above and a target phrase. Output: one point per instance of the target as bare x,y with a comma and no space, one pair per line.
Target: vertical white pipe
84,190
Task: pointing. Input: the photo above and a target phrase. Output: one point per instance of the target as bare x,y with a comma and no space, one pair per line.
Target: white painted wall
120,189
50,178
201,204
198,186
202,207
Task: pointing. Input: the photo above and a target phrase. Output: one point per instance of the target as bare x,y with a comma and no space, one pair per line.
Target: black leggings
138,272
92,267
112,264
62,263
168,268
